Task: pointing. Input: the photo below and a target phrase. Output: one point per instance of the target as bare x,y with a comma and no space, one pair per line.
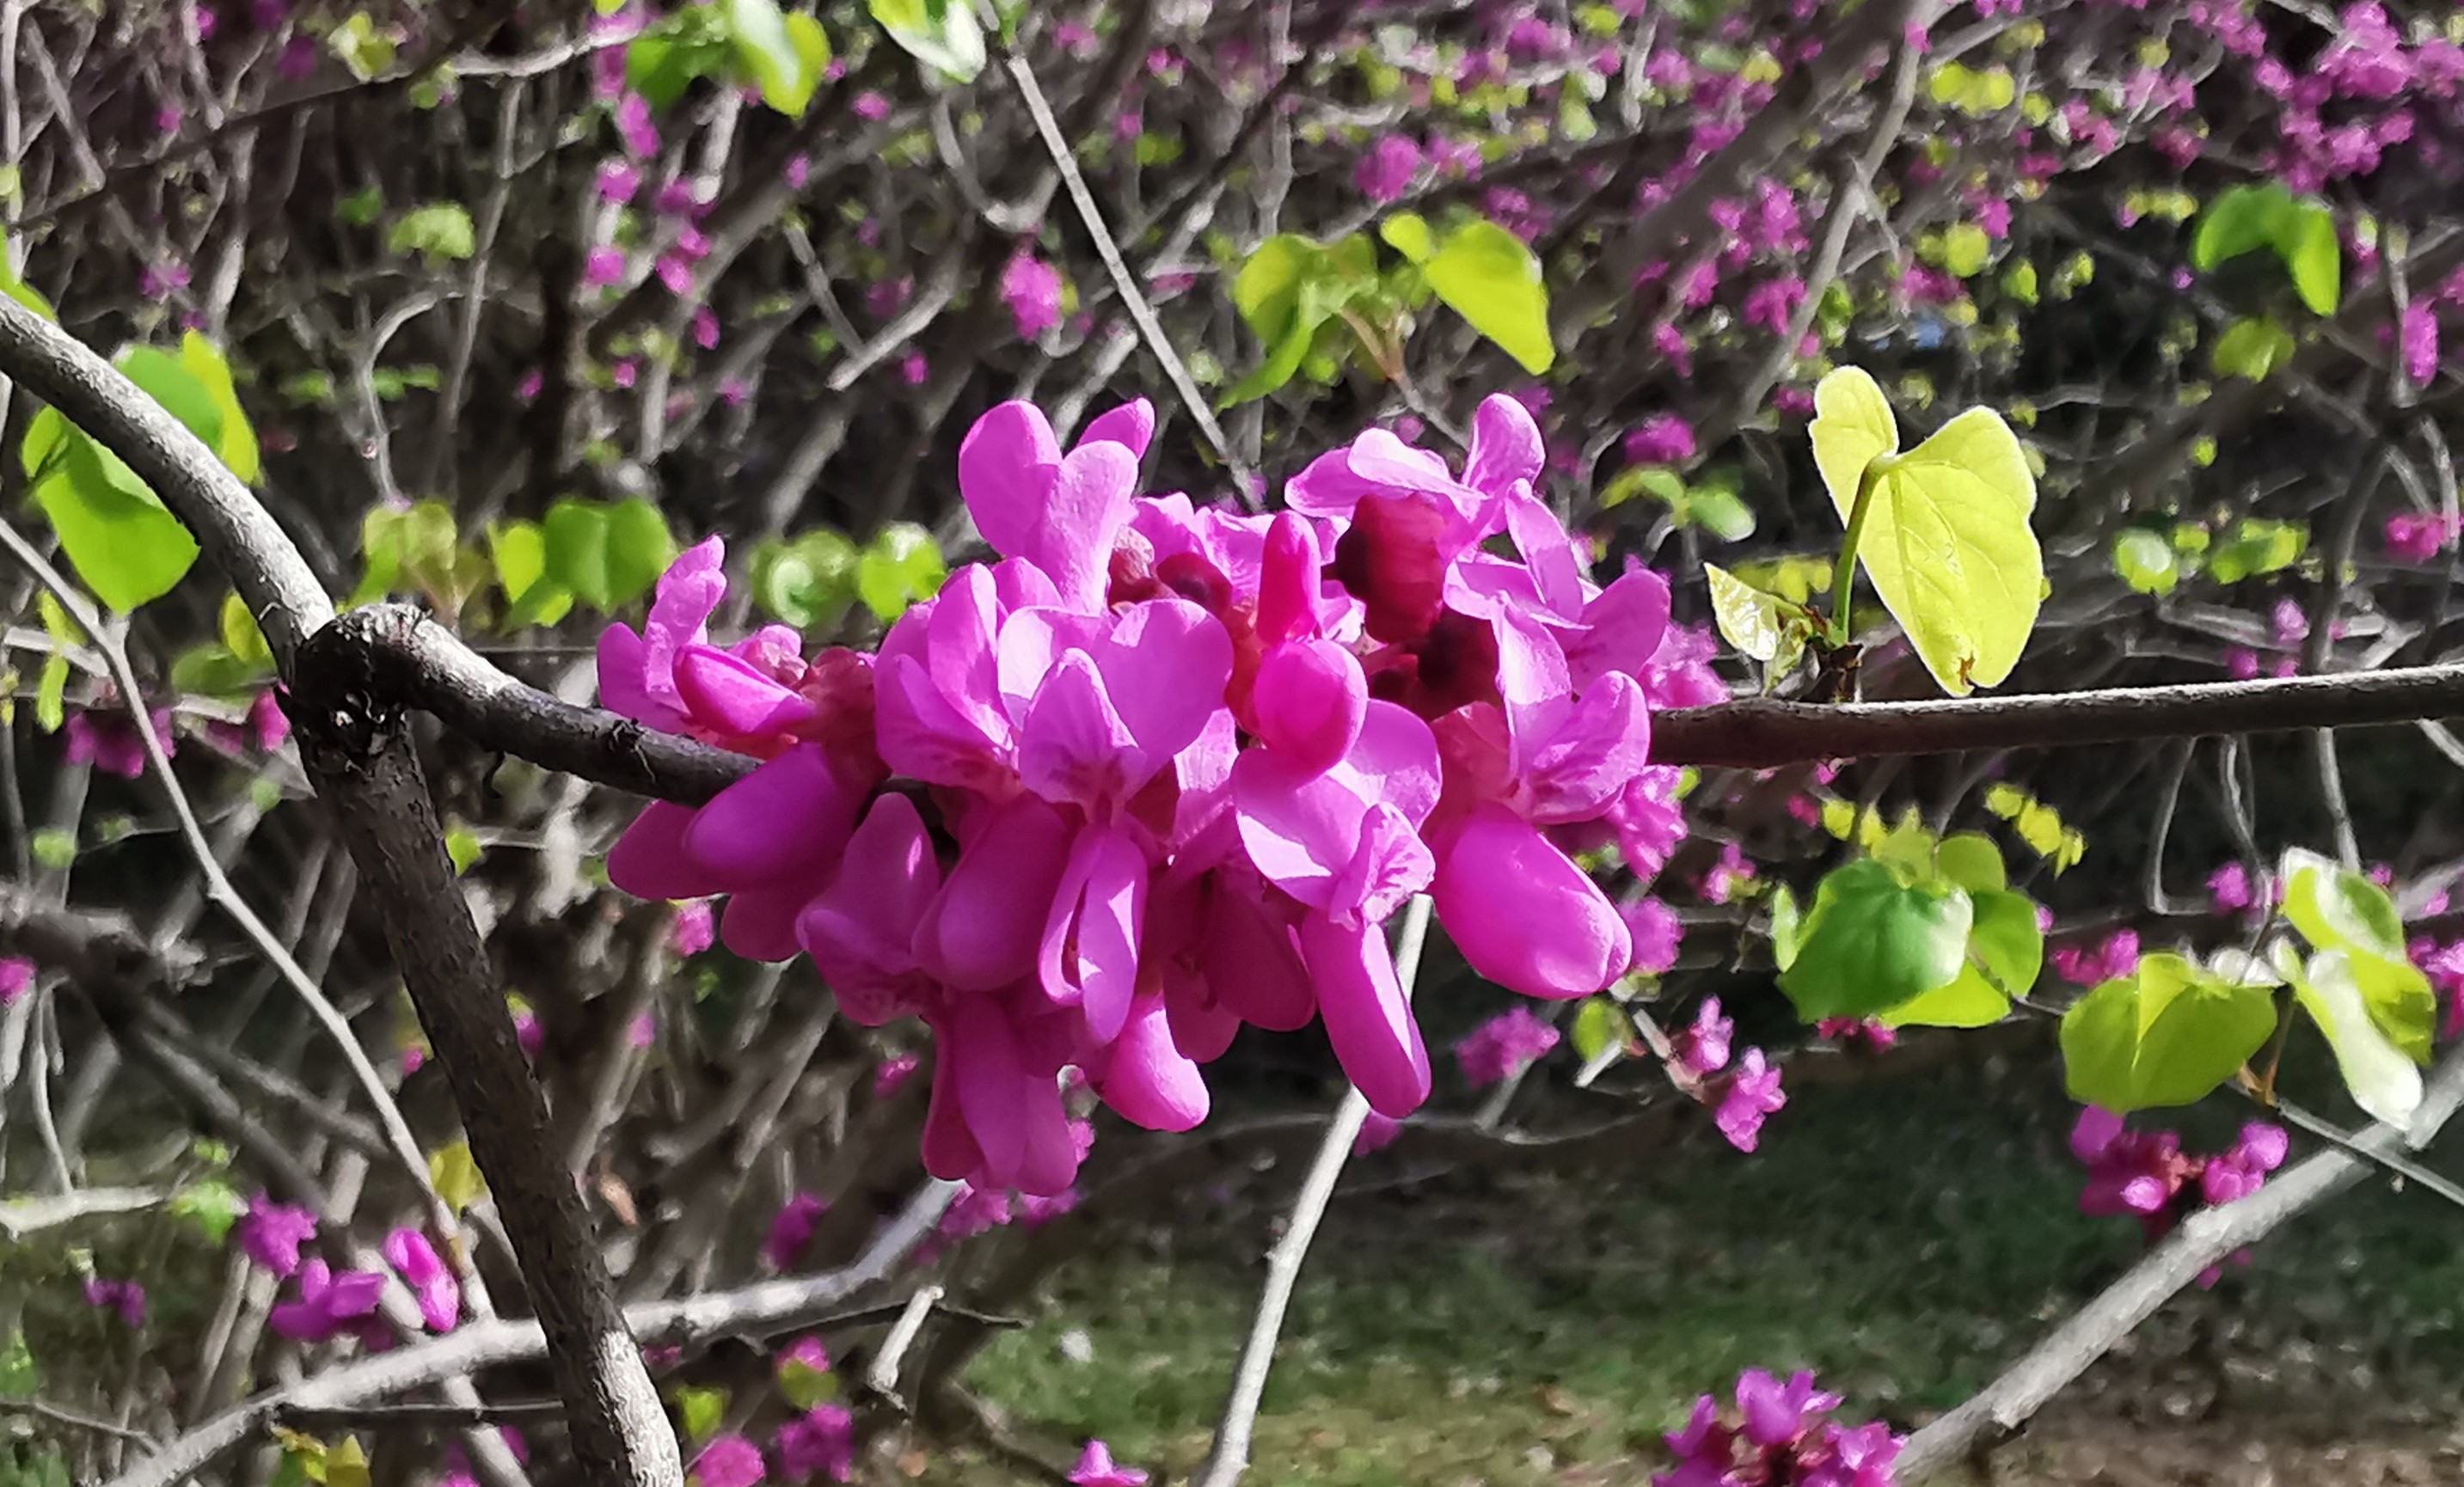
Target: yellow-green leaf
455,1176
1946,542
1749,619
1488,277
1407,232
237,445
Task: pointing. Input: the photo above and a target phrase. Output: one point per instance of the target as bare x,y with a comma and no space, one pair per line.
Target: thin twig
882,1378
1133,299
1230,1456
218,885
2205,1239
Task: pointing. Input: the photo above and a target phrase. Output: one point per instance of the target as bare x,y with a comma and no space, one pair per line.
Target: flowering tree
1098,529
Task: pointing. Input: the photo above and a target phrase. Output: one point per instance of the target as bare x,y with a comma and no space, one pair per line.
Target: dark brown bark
359,752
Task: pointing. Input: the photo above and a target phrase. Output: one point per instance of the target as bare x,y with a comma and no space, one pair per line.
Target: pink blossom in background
159,281
2415,538
16,979
1502,1046
127,1297
1031,287
2228,885
604,267
1868,1031
1753,1095
324,1303
1095,1469
618,181
1733,872
694,929
705,328
2083,966
892,1074
1663,439
819,1442
2289,623
528,1032
430,1278
913,369
106,737
643,1031
299,59
270,1234
1386,173
634,125
792,1230
1702,1047
676,272
1655,932
728,1462
871,107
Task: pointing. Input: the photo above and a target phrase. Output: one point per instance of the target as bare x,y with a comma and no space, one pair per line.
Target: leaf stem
1844,574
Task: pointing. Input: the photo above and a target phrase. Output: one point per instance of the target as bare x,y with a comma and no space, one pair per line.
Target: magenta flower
2416,539
124,1296
693,929
16,979
1502,1046
2116,957
1095,1469
1162,770
270,1234
819,1442
1386,173
1702,1049
1653,929
2243,1170
1776,1414
792,1230
1031,287
106,737
1753,1095
2228,885
416,1260
634,125
728,1462
618,181
326,1303
1855,1030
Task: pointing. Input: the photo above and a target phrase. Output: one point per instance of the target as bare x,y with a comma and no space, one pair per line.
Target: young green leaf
2253,349
940,33
210,1205
1749,619
1408,233
439,232
1872,942
237,447
607,555
455,1176
900,567
2005,942
768,52
2383,1080
1969,1001
2338,909
2302,230
2168,1035
1946,539
120,541
2146,561
1488,277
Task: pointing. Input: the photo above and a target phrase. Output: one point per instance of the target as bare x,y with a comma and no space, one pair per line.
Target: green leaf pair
1713,503
1942,530
2300,230
1920,933
1488,275
783,53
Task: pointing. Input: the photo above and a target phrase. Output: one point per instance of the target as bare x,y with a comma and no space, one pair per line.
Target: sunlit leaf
2168,1035
1872,942
1946,542
455,1176
1491,279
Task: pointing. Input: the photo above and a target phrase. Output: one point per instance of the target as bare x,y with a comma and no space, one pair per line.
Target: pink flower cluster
2146,1175
1777,1433
1166,769
1749,1095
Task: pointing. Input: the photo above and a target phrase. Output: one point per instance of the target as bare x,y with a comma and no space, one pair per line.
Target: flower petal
1522,914
985,926
1364,1015
1006,467
790,817
1090,956
649,860
1147,1079
1131,425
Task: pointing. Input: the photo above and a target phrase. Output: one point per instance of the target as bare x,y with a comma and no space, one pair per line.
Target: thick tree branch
359,758
424,666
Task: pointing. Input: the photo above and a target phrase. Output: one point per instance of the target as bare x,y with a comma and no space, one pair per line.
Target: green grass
1903,1240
